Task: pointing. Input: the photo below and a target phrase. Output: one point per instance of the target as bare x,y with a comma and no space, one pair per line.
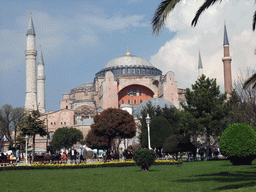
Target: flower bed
84,165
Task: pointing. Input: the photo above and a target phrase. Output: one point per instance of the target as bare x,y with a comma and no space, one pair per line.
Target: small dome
155,102
128,60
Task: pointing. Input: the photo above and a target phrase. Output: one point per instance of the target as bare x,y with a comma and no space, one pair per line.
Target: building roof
155,102
31,30
128,60
225,41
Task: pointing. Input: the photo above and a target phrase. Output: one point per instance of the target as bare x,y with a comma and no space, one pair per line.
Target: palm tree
250,81
166,6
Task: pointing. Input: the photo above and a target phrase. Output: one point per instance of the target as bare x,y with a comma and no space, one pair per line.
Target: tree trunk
144,168
33,150
15,132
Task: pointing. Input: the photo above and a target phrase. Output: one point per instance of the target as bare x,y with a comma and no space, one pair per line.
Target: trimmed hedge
238,143
144,158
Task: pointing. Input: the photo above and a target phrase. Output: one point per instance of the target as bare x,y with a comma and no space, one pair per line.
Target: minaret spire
31,30
40,83
200,66
225,40
30,53
227,63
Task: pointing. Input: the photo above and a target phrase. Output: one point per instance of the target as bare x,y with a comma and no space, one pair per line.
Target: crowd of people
10,157
73,155
63,157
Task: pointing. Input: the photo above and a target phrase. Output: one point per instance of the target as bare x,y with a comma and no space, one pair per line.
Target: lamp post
148,122
26,138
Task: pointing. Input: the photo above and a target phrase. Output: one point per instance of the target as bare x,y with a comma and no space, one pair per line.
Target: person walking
201,152
83,155
72,154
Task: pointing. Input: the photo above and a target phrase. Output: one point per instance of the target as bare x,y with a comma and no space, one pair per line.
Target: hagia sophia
127,82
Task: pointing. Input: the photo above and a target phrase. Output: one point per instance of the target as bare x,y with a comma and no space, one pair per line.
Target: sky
79,38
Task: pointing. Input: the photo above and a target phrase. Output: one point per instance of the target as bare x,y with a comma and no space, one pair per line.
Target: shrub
238,143
144,158
178,143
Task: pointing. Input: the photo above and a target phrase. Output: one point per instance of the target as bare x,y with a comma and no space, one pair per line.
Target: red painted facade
134,95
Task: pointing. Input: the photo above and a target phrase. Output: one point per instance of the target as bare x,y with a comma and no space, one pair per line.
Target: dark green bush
160,129
238,143
144,158
178,143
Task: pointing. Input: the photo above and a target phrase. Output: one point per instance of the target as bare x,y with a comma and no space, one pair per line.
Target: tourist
201,152
57,157
11,157
64,157
209,152
72,154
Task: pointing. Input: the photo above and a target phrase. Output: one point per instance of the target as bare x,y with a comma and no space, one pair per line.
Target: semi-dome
128,60
155,102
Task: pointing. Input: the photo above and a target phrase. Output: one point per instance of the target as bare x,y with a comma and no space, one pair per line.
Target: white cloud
180,54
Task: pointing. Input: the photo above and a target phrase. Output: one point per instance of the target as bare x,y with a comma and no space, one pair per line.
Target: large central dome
129,65
128,60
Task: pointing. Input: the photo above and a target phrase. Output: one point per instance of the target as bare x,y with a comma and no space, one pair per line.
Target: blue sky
79,38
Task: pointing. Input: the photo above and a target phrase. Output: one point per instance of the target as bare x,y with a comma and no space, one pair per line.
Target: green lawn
191,176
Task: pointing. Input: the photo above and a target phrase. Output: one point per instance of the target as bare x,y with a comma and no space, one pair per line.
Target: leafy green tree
160,129
9,119
18,115
143,136
65,137
32,126
96,142
172,115
205,105
166,6
114,123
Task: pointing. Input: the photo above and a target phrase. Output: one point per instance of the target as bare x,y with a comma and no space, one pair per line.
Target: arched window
140,92
129,102
122,101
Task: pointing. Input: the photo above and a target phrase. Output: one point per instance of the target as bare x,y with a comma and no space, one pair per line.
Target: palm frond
249,81
161,14
205,6
254,21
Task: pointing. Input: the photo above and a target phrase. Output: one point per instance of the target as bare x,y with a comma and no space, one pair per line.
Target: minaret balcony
30,52
226,58
41,78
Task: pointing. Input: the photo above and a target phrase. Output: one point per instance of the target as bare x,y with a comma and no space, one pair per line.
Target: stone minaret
200,66
40,83
30,53
227,64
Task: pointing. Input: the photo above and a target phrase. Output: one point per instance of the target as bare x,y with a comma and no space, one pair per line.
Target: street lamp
26,138
148,122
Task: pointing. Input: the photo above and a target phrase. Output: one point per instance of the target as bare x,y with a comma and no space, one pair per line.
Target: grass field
191,176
